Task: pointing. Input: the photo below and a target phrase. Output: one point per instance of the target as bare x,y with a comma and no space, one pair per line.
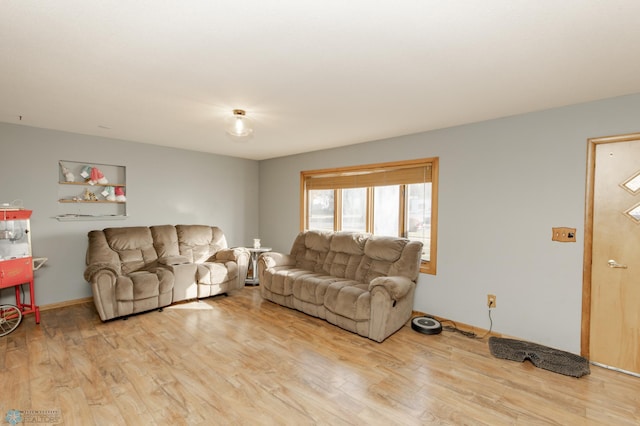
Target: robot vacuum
426,325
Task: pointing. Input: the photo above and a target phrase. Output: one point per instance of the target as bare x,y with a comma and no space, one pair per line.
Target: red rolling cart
16,260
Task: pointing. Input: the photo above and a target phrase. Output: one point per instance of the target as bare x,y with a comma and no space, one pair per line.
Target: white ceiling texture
311,74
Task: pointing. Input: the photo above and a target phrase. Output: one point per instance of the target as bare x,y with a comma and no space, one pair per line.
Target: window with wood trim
396,199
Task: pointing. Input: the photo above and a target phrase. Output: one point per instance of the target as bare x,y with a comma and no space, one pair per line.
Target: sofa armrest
397,286
103,286
239,255
230,254
391,305
94,268
173,260
273,259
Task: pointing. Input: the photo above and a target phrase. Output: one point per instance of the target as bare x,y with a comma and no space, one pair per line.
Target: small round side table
253,267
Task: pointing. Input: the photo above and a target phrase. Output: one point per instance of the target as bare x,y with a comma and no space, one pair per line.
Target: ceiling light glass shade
239,125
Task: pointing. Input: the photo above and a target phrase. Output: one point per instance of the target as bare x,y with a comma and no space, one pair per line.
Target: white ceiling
312,74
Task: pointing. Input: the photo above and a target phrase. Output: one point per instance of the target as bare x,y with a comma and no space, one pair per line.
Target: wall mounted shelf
76,218
88,184
78,199
92,202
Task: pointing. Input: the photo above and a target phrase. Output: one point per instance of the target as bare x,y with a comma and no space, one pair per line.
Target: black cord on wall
470,334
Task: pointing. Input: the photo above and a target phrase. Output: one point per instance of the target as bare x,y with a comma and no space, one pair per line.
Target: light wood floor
241,360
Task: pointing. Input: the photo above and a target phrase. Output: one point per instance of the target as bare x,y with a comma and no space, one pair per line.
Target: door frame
592,143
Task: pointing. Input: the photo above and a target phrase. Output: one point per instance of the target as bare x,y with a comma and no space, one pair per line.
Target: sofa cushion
311,287
134,246
387,249
380,255
143,285
165,240
349,299
199,242
310,250
345,254
280,281
409,263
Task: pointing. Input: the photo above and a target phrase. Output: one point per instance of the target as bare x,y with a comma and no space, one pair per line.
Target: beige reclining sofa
362,283
136,269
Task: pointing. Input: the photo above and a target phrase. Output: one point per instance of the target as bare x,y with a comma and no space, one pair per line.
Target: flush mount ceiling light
239,125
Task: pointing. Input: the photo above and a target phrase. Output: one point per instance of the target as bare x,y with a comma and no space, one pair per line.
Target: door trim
588,234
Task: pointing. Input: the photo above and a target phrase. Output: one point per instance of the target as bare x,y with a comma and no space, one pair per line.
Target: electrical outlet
491,300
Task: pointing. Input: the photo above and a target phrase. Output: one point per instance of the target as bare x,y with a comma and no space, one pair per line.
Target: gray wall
503,185
164,186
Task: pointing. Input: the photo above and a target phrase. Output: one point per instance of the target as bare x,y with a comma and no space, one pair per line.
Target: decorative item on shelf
238,125
119,193
68,176
256,243
89,196
97,177
109,193
86,172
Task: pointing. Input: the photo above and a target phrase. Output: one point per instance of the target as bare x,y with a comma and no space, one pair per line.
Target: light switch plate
564,235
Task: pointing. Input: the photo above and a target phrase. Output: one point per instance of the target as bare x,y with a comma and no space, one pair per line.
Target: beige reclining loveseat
362,283
136,269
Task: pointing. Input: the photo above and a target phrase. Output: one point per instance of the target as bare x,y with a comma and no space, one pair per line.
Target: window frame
427,267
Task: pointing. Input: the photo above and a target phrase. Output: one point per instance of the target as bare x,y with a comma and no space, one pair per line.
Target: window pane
321,209
354,209
418,220
386,210
387,199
